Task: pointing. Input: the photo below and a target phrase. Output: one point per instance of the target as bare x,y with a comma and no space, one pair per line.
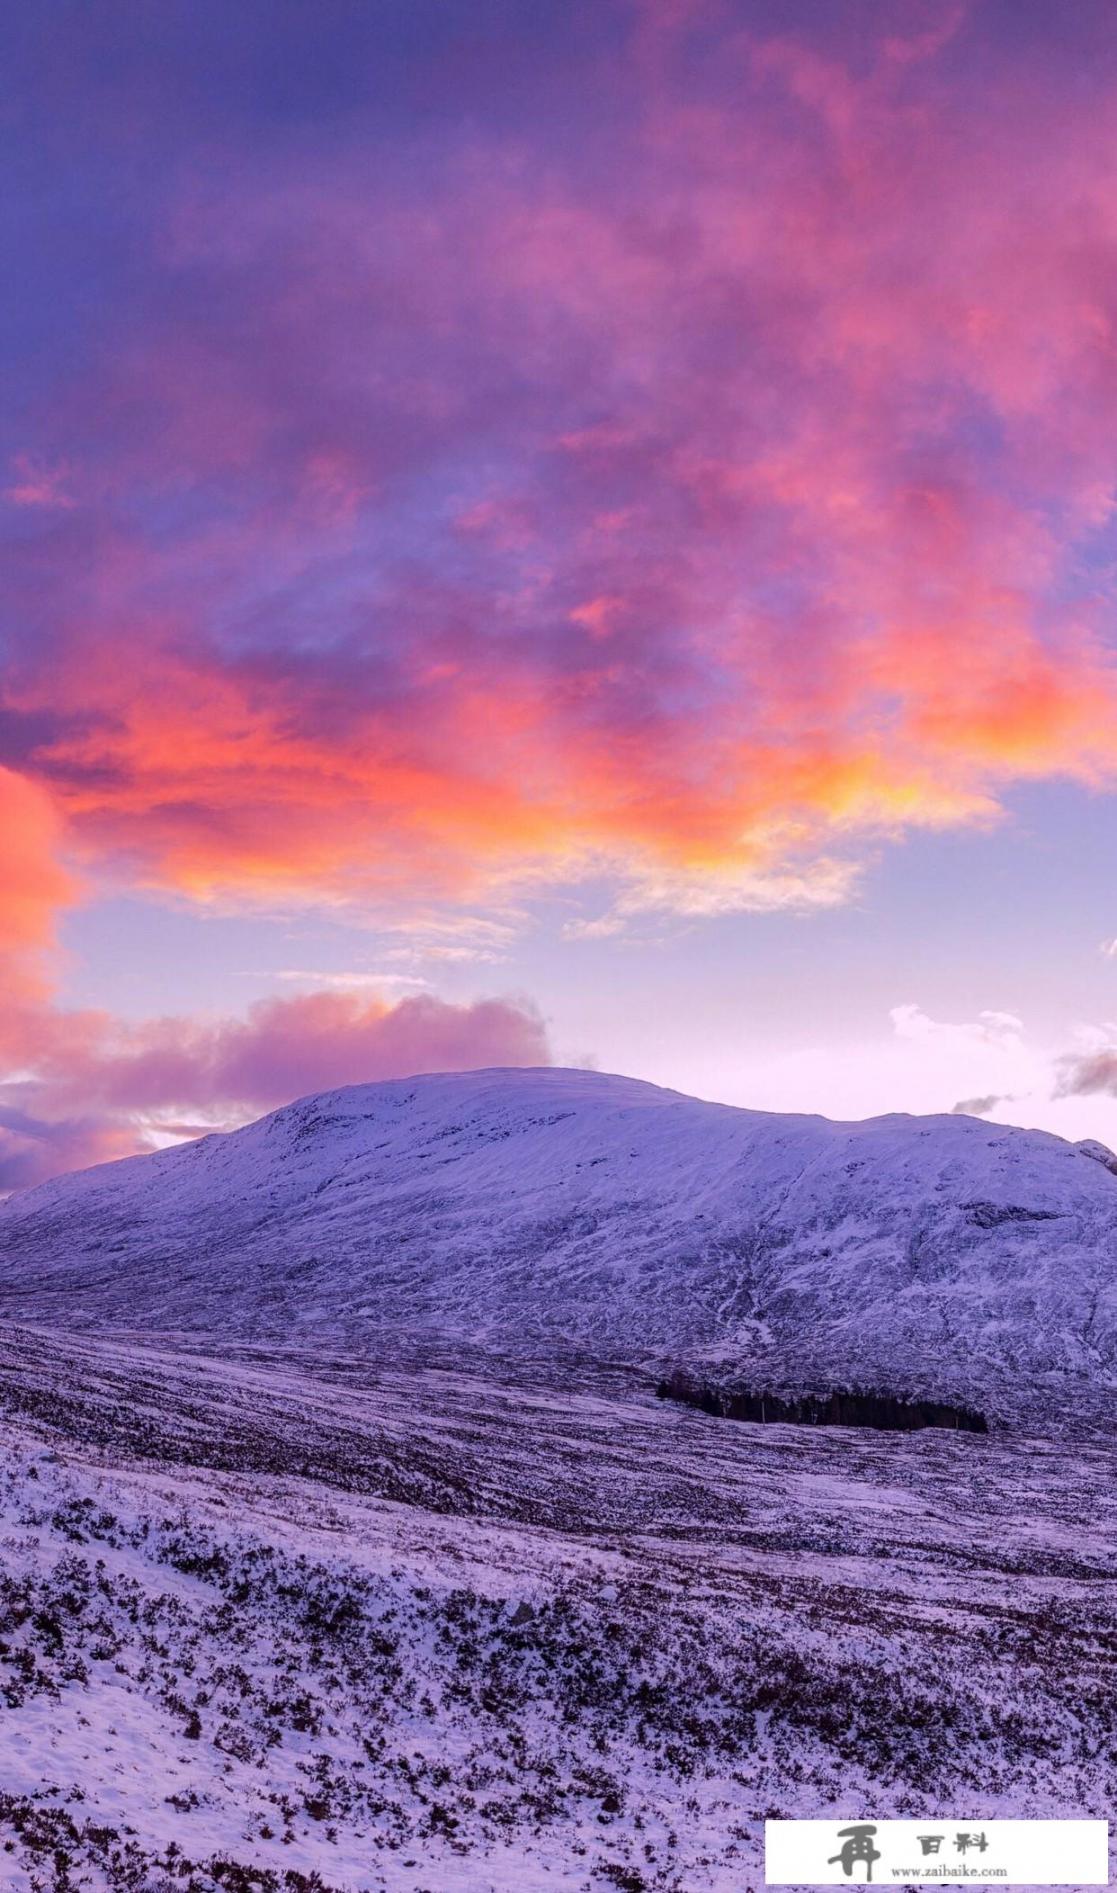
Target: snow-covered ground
272,1620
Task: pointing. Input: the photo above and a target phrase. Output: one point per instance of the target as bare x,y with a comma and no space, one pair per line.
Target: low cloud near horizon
94,1090
1088,1074
979,1107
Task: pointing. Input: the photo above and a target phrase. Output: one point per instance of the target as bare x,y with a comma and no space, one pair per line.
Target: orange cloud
744,508
33,883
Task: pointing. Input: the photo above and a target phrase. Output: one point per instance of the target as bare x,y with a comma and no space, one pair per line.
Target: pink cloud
790,343
693,506
36,485
92,1089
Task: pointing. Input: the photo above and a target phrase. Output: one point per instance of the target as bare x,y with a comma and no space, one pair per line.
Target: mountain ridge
555,1208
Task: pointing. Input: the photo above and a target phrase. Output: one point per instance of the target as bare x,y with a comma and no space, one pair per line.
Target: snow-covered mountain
539,1208
388,1573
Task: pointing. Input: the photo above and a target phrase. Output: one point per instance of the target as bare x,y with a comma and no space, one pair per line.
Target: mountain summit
571,1209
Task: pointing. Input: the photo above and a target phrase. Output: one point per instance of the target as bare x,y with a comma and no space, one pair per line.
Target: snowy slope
542,1208
420,1632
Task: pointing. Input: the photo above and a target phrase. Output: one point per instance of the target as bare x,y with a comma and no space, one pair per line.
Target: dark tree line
852,1408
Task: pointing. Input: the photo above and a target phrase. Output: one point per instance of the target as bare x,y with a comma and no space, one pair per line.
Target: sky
578,531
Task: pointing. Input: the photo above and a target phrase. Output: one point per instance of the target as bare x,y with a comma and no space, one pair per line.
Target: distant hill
557,1209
